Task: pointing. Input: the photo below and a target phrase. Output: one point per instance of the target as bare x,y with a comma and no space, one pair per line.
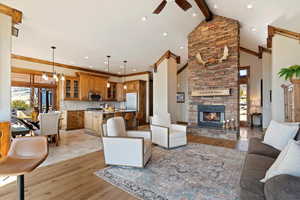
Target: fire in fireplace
211,115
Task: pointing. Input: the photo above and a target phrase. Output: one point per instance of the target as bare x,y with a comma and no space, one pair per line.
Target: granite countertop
116,111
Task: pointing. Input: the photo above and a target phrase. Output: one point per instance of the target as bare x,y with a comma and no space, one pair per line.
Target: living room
206,109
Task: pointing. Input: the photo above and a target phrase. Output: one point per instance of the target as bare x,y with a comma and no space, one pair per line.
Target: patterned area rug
196,171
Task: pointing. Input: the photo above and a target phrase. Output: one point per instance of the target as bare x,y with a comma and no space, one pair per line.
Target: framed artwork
180,97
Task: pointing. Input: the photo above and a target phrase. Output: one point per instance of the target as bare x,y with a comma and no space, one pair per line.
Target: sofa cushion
257,147
283,187
255,168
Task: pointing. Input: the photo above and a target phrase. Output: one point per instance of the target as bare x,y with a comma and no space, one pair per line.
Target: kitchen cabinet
139,87
93,121
111,94
71,88
92,84
73,120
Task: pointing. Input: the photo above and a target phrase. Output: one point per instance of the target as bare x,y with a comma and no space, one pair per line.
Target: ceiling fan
183,4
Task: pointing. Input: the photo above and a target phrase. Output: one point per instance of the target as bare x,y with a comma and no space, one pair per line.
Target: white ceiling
97,28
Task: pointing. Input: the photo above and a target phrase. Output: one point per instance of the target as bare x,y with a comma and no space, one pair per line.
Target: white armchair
166,134
125,148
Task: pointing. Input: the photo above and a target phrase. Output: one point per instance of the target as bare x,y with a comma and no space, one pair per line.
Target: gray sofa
259,159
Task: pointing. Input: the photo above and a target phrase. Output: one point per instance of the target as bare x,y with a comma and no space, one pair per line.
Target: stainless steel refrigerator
131,101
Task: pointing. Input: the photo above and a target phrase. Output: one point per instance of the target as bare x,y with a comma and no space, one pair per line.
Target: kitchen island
94,119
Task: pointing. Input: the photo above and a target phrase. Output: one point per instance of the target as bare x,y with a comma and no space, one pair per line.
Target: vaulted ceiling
86,31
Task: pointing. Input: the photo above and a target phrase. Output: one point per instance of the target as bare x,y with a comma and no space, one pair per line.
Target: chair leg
21,186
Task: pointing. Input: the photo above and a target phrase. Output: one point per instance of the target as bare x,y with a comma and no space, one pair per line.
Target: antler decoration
200,60
225,54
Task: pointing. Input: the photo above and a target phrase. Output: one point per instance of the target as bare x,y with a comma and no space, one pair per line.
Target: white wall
267,87
182,79
172,88
285,52
255,76
160,88
165,88
5,69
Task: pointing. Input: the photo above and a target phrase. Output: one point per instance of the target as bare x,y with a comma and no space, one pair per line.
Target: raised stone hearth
209,40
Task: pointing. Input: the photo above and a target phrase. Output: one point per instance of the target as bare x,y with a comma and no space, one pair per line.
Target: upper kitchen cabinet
92,84
71,88
111,94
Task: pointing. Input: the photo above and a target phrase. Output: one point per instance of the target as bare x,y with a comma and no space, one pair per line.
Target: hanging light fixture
45,76
54,74
108,84
125,86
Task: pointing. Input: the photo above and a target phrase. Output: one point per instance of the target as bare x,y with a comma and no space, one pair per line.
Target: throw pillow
288,162
279,134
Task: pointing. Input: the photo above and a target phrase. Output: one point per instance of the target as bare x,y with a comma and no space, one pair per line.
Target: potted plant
290,73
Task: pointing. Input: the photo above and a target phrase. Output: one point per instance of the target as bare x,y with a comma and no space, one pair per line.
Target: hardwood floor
74,179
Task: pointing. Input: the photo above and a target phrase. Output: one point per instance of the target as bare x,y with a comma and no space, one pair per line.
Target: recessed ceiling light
215,6
86,57
91,66
249,6
253,29
134,70
194,14
182,47
165,34
144,18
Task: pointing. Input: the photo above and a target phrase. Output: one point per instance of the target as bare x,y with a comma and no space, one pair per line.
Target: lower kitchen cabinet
73,119
93,121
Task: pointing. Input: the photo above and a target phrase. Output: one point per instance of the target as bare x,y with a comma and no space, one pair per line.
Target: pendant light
54,74
108,83
125,86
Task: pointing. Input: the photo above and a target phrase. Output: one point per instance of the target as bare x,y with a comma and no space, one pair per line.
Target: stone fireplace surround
209,39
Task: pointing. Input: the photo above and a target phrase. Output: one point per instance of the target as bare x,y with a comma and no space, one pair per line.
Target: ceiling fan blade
184,4
160,7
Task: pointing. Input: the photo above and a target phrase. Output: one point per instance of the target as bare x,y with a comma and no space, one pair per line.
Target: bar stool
25,155
128,117
139,117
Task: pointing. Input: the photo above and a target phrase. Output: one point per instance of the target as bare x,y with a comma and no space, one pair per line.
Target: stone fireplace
211,115
206,113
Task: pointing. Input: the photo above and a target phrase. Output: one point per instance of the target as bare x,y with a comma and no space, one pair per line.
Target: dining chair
49,125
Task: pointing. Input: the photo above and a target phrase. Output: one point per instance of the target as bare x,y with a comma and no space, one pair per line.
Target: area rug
196,171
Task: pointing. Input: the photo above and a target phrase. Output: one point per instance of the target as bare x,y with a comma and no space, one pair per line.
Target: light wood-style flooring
74,179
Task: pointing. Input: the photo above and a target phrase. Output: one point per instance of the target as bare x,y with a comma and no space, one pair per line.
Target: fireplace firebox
211,115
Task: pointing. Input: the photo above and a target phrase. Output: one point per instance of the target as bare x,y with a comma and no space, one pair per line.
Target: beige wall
5,63
285,52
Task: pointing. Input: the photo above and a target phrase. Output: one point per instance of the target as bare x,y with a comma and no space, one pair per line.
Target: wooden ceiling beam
166,55
15,14
272,30
205,9
254,53
46,62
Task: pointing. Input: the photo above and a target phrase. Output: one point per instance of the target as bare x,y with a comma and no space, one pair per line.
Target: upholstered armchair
166,134
125,148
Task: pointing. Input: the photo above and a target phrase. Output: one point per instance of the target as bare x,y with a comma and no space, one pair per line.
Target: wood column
4,138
